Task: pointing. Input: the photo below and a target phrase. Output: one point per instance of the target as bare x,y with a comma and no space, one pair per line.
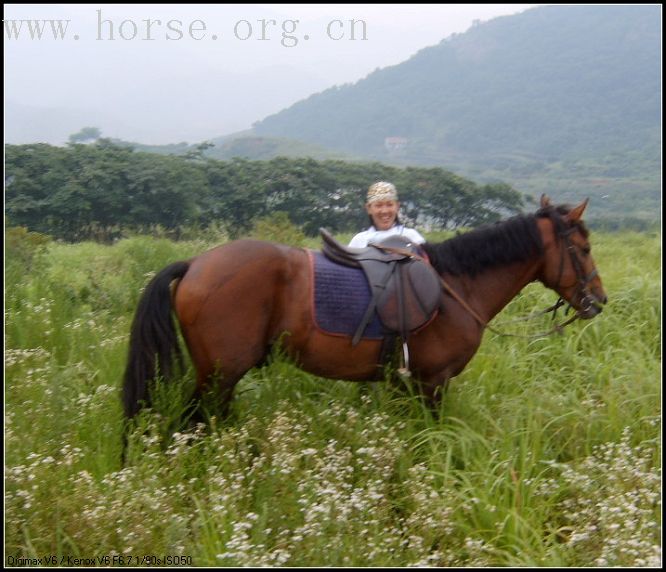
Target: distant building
395,144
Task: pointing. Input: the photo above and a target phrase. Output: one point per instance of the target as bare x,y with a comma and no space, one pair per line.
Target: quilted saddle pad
340,298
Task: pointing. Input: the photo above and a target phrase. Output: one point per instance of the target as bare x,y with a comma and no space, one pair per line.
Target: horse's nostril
600,297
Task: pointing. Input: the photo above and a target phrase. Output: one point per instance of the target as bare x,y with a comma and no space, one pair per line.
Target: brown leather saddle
405,290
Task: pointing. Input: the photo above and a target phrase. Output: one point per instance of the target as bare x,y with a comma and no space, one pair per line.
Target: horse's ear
545,201
575,214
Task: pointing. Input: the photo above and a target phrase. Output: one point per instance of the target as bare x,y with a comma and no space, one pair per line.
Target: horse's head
568,265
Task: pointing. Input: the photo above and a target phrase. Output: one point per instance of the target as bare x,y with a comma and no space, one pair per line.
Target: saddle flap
411,298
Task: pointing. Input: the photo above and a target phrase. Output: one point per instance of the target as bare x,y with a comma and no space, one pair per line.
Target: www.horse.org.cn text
288,33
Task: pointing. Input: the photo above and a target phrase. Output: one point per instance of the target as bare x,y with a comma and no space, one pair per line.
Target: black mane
499,244
513,240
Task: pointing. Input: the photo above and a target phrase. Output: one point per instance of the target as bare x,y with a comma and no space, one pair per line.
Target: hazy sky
170,73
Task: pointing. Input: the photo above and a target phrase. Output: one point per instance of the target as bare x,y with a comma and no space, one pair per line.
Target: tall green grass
544,452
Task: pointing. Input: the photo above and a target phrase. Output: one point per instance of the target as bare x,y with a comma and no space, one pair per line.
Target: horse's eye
587,250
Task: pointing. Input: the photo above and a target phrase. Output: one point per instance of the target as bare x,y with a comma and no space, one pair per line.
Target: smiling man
382,206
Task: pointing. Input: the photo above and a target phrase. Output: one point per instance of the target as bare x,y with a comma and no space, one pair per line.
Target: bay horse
235,301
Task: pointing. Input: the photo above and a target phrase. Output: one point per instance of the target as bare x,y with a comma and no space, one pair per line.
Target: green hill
562,99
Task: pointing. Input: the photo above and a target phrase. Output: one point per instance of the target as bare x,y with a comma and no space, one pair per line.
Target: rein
557,328
583,281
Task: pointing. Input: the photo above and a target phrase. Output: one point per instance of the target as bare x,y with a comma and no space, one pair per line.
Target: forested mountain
557,92
557,80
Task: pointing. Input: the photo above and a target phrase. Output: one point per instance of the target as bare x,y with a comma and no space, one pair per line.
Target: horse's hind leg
213,393
230,306
217,391
222,353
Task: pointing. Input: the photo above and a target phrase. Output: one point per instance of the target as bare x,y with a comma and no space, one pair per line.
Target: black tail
153,346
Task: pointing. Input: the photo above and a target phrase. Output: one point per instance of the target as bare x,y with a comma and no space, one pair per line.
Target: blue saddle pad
341,297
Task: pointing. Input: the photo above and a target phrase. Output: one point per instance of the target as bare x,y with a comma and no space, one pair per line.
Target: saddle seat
405,290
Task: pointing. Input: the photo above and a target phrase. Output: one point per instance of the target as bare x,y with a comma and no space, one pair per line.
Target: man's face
383,213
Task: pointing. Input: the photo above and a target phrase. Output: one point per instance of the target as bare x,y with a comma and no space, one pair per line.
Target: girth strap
377,290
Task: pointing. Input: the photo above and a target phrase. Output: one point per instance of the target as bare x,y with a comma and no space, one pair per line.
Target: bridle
582,282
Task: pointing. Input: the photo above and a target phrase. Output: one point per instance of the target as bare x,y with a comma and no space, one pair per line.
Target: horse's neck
489,292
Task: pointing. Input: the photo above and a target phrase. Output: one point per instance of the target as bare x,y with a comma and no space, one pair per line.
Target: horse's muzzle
591,304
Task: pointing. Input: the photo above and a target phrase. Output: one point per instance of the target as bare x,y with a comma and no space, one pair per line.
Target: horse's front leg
433,389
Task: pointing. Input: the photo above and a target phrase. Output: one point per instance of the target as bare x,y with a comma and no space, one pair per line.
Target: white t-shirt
362,239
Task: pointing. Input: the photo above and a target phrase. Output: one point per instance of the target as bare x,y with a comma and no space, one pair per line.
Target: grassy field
544,453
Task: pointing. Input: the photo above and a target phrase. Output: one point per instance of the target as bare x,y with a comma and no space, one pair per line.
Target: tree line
100,190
